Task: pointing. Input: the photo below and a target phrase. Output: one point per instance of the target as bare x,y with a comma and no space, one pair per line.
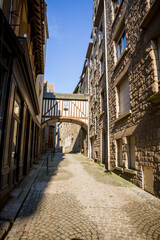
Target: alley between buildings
77,199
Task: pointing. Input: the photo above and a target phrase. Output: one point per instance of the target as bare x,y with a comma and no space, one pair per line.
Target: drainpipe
107,164
88,104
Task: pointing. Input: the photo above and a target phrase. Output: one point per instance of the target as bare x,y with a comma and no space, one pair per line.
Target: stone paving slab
16,200
78,200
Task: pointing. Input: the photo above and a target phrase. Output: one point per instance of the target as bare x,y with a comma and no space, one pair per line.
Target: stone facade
133,60
72,138
97,91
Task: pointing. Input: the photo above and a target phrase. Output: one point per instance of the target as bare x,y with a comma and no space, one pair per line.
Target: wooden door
51,137
148,179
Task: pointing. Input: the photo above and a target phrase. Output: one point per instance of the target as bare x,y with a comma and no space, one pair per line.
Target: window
116,4
95,125
100,37
65,105
121,44
15,131
102,102
131,152
101,66
123,97
119,153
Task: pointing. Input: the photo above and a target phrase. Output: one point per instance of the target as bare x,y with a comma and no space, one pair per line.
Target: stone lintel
124,133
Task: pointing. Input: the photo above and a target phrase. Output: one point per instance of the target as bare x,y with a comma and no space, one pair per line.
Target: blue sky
70,26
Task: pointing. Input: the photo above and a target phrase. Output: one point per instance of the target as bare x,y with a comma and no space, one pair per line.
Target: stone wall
139,64
72,138
97,105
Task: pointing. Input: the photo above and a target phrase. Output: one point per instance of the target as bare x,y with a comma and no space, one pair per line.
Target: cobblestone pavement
78,200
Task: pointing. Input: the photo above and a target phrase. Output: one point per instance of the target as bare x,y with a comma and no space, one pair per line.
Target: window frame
116,4
102,102
101,65
131,152
117,44
119,153
119,100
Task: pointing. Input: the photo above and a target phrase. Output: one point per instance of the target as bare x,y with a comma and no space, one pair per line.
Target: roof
64,96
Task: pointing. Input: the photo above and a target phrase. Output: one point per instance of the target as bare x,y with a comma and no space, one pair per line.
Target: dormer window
121,44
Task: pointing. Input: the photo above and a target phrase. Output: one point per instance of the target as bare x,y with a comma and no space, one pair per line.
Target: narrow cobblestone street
78,200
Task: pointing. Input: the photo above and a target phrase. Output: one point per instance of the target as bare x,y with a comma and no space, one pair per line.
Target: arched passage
63,119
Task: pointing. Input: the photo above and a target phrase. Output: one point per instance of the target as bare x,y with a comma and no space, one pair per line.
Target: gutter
107,164
88,106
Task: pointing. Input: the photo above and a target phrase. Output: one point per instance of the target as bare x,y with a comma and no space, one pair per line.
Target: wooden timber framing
60,107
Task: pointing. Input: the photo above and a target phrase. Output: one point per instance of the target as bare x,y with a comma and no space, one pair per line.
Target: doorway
148,179
14,157
103,147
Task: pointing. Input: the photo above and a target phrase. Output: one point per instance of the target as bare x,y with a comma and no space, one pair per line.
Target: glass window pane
65,105
124,99
118,51
124,41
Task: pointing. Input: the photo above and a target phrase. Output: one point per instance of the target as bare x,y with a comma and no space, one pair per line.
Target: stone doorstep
11,209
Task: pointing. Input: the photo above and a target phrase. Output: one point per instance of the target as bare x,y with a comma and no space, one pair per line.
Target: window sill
101,114
155,98
154,9
125,115
119,169
121,58
130,171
